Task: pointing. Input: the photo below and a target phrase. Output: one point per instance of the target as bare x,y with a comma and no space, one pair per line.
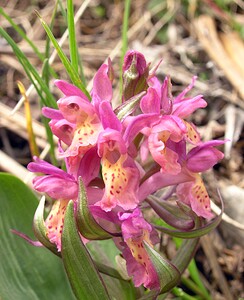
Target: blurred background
203,38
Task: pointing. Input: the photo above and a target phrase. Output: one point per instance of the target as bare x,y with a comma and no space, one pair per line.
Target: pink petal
56,187
181,96
141,275
70,89
150,103
55,222
185,108
204,156
52,113
204,159
75,109
41,166
159,180
108,117
102,87
63,129
135,230
192,135
166,96
165,157
195,194
119,171
89,166
140,62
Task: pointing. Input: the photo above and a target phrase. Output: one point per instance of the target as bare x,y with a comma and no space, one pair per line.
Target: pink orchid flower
159,100
159,132
119,172
78,122
61,187
194,193
162,124
135,230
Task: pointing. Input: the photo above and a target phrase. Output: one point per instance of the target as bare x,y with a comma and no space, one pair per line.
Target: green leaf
83,275
73,74
87,225
73,46
26,272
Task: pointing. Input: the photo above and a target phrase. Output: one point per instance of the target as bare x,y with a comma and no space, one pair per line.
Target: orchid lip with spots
122,161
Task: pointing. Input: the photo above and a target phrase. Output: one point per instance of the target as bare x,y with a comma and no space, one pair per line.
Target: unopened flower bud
135,74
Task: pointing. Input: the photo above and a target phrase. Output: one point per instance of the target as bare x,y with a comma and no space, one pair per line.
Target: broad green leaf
83,275
26,272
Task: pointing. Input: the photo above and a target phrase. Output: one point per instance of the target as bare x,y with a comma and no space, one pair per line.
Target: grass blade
72,39
73,74
73,48
31,72
45,121
46,64
25,37
22,34
63,12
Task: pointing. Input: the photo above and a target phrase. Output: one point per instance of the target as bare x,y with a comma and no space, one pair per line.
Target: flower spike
118,159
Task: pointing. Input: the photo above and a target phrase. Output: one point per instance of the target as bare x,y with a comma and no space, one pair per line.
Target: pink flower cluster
125,154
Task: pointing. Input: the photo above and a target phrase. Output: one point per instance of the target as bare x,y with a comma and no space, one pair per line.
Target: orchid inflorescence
117,158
